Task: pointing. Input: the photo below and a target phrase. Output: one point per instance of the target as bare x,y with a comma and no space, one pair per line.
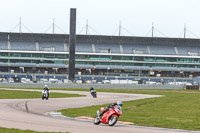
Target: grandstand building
100,55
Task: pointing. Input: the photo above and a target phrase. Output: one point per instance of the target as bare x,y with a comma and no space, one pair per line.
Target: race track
29,114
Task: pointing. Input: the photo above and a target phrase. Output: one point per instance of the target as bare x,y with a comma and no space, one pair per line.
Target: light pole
108,70
139,72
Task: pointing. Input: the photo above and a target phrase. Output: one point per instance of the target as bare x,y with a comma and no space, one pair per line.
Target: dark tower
72,43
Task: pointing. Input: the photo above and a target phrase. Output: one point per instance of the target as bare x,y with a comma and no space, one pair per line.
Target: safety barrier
99,86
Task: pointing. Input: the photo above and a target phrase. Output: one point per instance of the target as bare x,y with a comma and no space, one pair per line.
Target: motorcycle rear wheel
97,121
112,120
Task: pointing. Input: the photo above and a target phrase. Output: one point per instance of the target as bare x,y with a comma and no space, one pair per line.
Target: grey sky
136,16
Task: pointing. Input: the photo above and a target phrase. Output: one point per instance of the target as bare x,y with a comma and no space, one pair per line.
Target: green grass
13,130
178,110
14,94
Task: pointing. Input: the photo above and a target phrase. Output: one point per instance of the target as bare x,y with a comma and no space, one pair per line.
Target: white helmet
45,86
119,103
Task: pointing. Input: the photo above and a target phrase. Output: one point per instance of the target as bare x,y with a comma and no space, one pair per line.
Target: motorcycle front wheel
97,121
94,96
112,120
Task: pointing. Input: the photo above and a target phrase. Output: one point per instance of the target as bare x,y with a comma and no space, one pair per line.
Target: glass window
15,54
116,57
104,63
48,61
25,61
49,56
127,58
25,55
172,59
60,56
58,62
115,63
37,55
35,61
149,64
3,60
138,58
83,62
14,61
162,65
161,59
104,56
93,56
127,64
151,59
4,54
81,57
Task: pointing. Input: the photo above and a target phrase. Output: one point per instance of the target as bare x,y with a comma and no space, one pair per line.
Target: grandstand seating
161,49
83,47
3,45
86,47
114,48
183,50
23,46
128,48
51,46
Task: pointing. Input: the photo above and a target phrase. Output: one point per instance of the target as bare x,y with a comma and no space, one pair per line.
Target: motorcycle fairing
107,115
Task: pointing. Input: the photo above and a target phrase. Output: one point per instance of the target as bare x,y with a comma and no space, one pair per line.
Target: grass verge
177,110
13,130
15,94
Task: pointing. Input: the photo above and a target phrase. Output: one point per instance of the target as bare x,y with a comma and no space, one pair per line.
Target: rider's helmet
45,86
119,103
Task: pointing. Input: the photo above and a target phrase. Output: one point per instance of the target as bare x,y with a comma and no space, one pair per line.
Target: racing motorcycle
110,117
45,94
93,93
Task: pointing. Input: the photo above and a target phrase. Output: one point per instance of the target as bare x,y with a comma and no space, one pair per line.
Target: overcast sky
104,16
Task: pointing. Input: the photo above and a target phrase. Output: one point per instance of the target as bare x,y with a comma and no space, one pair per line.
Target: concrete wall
99,86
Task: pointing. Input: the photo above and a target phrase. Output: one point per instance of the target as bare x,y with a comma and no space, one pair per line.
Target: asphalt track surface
29,114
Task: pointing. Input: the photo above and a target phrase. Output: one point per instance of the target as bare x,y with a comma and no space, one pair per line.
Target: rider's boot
98,113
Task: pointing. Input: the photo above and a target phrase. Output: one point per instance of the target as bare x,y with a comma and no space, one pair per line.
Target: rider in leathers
92,90
110,106
46,89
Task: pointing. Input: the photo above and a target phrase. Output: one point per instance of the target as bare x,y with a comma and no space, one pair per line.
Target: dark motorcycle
93,93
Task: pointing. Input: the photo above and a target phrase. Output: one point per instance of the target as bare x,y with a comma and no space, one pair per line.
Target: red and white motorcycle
110,117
